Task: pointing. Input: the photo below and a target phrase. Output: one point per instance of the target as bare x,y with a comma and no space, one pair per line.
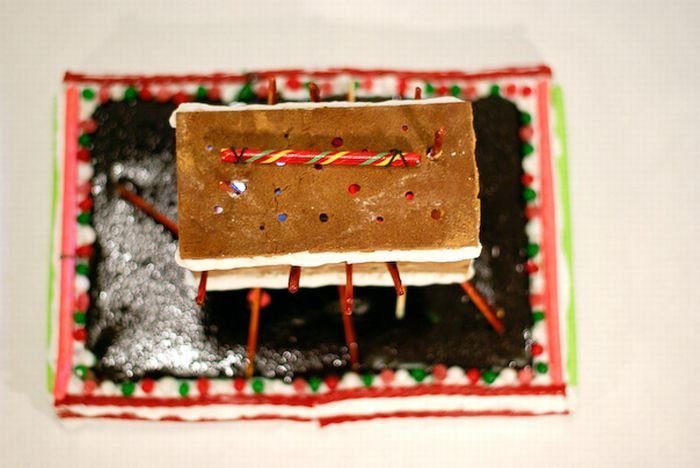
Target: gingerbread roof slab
247,211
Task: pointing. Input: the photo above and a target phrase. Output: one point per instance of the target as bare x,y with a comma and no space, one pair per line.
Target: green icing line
563,176
316,158
50,376
258,156
372,159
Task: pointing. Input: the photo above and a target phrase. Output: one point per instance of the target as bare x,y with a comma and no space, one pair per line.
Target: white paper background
630,73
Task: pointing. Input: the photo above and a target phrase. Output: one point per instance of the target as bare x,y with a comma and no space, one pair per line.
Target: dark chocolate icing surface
143,320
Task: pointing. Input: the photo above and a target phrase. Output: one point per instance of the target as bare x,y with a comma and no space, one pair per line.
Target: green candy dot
84,218
541,367
418,374
528,149
455,91
529,194
538,316
258,385
532,250
81,371
128,388
495,90
79,318
202,93
314,383
525,118
88,94
429,88
357,84
85,140
184,389
367,380
82,269
246,93
130,94
489,376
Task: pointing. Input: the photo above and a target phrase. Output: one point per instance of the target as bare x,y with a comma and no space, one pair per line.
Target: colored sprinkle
203,385
79,318
537,316
541,367
495,90
354,188
429,88
282,217
367,380
490,376
81,371
409,196
147,385
418,374
525,118
246,93
258,386
314,383
278,191
85,140
88,94
128,388
528,149
84,218
536,349
356,84
527,179
82,269
293,84
130,94
323,217
239,384
532,250
455,91
473,375
529,194
201,93
184,389
337,142
332,381
79,334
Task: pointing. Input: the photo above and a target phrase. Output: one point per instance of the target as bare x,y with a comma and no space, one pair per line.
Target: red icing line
536,70
549,239
68,244
67,414
310,399
432,414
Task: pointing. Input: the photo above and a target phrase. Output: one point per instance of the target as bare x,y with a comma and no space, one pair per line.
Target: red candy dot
436,214
532,212
79,334
180,97
470,92
163,95
89,386
526,91
402,87
82,302
525,376
473,375
293,84
261,92
354,188
299,385
84,190
332,381
203,385
510,90
526,179
239,384
84,251
337,142
409,196
145,94
404,128
531,267
85,205
536,299
215,94
380,219
526,133
265,298
84,155
367,84
147,385
439,372
387,376
536,349
104,95
443,90
88,126
326,89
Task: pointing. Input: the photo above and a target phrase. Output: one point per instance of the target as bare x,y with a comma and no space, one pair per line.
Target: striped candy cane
350,158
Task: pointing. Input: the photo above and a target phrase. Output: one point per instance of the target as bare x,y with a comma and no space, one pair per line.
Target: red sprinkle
525,376
215,94
402,88
526,91
84,251
532,212
203,385
510,90
84,155
536,299
163,95
536,349
439,372
147,385
470,92
332,381
239,384
79,334
367,84
145,94
82,302
526,133
293,84
409,196
387,376
354,188
261,92
85,205
104,94
473,375
88,126
326,89
531,267
299,385
527,179
89,386
180,97
443,90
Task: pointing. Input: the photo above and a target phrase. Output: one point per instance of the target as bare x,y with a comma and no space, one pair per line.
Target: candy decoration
84,219
490,376
314,383
536,349
395,277
541,367
144,206
258,385
239,384
353,189
81,371
418,93
387,376
89,386
147,385
537,316
525,376
79,334
473,375
439,372
314,92
299,385
294,274
85,140
367,380
88,94
253,330
202,290
455,90
436,150
331,381
483,306
184,389
79,318
418,375
392,157
130,94
525,118
529,194
203,385
128,388
527,149
201,93
495,90
82,269
271,91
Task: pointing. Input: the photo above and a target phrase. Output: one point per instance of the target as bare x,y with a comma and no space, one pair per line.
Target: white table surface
630,74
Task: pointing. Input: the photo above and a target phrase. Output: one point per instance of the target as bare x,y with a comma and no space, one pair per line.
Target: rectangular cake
129,341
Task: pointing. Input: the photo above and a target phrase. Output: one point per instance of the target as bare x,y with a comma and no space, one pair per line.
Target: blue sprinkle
282,217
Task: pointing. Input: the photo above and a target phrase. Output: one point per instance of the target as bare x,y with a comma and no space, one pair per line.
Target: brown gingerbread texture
307,210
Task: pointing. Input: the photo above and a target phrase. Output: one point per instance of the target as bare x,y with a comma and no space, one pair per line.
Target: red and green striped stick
350,158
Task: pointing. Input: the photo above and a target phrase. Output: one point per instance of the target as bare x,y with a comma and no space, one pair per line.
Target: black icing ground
143,320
